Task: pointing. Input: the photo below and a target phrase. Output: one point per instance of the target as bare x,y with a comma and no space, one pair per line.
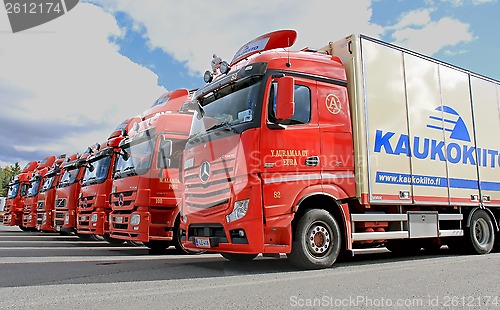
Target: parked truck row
313,153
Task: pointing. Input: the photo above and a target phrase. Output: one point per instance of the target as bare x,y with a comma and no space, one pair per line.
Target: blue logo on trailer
459,130
459,150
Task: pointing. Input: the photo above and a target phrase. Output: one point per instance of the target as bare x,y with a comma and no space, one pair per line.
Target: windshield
134,159
232,105
33,190
99,171
47,184
69,177
13,190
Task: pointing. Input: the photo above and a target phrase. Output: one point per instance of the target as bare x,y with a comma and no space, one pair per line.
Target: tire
97,238
177,240
317,240
27,229
85,237
239,257
134,243
157,245
112,240
480,236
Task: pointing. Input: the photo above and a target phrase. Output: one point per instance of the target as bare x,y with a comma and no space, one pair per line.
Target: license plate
202,242
58,228
119,220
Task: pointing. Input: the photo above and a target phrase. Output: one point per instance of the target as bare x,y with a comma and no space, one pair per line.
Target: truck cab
146,188
47,197
18,188
30,203
67,193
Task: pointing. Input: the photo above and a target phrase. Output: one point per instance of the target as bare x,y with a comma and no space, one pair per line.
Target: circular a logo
85,202
333,104
120,200
204,172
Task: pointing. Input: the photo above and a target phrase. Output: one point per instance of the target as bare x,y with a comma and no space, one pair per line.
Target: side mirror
285,105
125,155
164,153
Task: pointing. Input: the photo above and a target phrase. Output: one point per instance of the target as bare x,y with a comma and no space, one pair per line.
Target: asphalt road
48,271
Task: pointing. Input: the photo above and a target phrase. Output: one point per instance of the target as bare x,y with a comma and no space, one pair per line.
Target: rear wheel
480,236
239,257
317,240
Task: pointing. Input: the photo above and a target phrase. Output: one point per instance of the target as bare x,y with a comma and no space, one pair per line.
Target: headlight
135,219
93,218
239,210
66,218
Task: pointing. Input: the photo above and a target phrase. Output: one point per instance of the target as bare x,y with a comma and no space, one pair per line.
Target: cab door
290,149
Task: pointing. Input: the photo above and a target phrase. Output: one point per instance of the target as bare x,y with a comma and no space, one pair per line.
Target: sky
68,83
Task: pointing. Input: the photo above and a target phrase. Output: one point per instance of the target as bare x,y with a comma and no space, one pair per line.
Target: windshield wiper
226,125
90,180
130,170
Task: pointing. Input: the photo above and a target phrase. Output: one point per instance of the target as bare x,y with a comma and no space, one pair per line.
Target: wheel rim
481,232
319,239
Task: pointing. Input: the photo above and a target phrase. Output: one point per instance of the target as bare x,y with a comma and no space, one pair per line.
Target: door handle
312,161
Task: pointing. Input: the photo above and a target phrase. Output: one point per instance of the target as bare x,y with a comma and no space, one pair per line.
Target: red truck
18,188
67,193
146,186
30,203
358,144
47,197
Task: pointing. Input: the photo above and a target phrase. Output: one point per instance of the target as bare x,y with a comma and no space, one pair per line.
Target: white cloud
417,31
67,75
193,31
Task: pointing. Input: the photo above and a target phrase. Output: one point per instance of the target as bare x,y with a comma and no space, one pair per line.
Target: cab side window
302,113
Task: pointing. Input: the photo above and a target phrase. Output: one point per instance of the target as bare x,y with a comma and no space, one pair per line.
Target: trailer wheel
239,257
480,236
317,240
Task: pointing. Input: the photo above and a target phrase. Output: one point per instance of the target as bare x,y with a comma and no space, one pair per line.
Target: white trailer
426,146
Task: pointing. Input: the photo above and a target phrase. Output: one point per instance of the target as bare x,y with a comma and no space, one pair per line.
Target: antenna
288,64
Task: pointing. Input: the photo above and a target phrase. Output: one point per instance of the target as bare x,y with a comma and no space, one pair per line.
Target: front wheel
239,257
480,236
112,240
317,240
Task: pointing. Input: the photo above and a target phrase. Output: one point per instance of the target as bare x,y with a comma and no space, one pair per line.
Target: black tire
158,245
85,237
177,240
134,243
480,236
239,257
97,238
112,240
317,240
27,229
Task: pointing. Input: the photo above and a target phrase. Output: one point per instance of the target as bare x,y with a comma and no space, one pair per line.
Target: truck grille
215,192
123,199
86,203
61,203
40,205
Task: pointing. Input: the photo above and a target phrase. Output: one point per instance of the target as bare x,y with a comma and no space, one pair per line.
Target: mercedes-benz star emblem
120,200
85,202
204,171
